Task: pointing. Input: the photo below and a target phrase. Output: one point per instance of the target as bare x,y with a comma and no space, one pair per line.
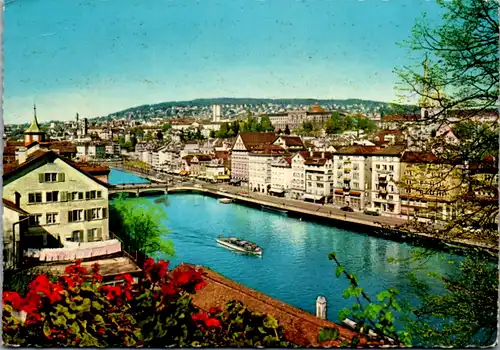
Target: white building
353,176
298,186
15,225
65,204
281,176
385,175
90,150
259,167
216,113
318,168
244,144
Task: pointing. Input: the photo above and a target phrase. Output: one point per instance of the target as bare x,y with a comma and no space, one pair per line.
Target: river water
295,266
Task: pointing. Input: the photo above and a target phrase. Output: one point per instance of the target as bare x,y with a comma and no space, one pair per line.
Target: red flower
212,322
182,277
13,298
200,285
112,291
200,316
101,331
168,289
66,280
148,265
215,310
125,277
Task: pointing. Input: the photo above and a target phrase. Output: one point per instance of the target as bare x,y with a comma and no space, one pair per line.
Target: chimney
322,154
18,200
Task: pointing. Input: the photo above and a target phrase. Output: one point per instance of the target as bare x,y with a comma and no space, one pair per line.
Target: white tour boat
225,200
239,245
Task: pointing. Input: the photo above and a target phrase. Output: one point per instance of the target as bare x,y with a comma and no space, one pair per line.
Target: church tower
33,133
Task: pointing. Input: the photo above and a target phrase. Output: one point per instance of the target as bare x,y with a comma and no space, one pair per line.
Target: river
295,266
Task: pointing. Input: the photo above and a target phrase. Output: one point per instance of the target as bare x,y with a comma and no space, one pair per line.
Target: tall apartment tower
216,112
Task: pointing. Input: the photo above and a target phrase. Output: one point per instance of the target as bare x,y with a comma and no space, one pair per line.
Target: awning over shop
339,192
183,173
276,190
223,177
354,193
312,196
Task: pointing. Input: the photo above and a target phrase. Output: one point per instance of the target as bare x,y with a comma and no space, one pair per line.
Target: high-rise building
216,113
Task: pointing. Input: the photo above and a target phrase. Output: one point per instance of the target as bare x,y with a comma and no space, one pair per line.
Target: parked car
346,208
371,212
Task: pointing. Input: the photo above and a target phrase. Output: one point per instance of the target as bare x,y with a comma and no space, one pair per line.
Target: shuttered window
41,178
60,177
104,213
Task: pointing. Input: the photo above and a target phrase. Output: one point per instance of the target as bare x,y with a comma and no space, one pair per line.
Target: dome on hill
316,108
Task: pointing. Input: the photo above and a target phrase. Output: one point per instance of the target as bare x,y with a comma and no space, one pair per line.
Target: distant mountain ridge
205,102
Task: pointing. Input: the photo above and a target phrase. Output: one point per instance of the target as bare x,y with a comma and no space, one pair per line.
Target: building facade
65,204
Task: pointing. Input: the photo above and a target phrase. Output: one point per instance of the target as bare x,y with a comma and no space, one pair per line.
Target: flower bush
79,311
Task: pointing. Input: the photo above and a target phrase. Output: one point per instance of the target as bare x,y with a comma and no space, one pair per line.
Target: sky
96,57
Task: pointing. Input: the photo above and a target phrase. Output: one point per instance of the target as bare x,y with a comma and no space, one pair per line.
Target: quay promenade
379,224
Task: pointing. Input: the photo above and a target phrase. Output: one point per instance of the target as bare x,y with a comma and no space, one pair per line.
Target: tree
212,134
139,225
166,126
459,82
235,127
307,126
279,132
222,132
159,135
287,130
471,287
266,124
335,124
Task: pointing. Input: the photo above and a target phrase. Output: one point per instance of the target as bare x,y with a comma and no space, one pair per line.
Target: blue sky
96,57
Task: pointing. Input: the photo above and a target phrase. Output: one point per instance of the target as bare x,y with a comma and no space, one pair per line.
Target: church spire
424,99
34,127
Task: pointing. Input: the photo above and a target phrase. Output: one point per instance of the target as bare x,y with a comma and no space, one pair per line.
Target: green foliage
369,314
77,311
307,126
222,133
467,310
212,134
166,126
326,334
337,124
139,224
18,280
243,328
252,124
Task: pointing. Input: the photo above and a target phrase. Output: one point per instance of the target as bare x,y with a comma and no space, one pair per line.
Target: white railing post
321,307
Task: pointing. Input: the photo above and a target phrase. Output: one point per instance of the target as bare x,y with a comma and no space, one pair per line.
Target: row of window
63,196
93,234
73,216
51,177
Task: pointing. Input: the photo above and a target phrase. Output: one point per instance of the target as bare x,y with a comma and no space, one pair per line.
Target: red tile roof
255,139
400,117
292,141
418,157
268,150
